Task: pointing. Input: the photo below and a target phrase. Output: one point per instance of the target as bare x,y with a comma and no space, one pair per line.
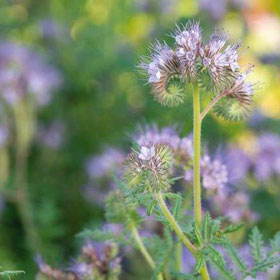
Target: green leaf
9,274
232,228
213,254
151,208
256,244
239,262
182,276
224,271
264,265
206,225
200,261
177,207
198,234
275,244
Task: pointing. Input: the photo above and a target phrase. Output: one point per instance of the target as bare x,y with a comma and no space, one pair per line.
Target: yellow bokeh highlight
247,140
128,85
77,27
233,25
98,10
137,27
186,8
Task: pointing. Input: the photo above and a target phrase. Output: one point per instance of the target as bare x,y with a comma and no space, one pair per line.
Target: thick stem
24,123
212,104
143,250
178,255
196,169
196,143
23,203
173,223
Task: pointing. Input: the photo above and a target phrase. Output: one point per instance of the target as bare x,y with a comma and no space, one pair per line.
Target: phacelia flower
266,161
100,165
163,72
214,173
238,164
25,74
182,148
220,62
149,167
188,41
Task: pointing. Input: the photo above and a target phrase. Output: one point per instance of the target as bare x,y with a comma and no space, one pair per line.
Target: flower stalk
143,250
197,144
212,104
173,224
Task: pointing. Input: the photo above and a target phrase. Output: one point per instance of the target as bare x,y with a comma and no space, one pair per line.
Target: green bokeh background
96,44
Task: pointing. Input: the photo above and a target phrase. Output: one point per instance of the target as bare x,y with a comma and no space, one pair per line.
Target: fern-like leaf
256,244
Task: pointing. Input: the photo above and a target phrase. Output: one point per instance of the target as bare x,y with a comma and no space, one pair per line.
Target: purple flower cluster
233,204
51,136
25,74
213,64
217,9
263,163
97,261
181,147
98,169
213,172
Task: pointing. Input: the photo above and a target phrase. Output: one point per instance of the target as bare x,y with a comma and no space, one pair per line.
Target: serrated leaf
151,207
182,276
8,274
177,208
198,234
206,224
256,244
263,266
239,262
216,256
275,244
224,271
200,261
232,228
215,227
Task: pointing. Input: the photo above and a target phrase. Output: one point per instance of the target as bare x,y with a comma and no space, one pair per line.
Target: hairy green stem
196,143
23,203
178,255
212,104
24,123
196,170
143,250
173,224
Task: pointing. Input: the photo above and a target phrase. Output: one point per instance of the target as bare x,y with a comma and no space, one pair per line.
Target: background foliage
95,44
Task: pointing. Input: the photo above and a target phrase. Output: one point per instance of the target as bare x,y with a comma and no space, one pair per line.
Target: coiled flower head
149,167
236,105
164,75
218,62
188,41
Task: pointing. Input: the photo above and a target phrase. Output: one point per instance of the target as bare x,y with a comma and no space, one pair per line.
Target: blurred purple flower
217,9
238,164
235,205
24,73
98,169
51,29
4,134
51,136
151,135
214,173
266,161
99,166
